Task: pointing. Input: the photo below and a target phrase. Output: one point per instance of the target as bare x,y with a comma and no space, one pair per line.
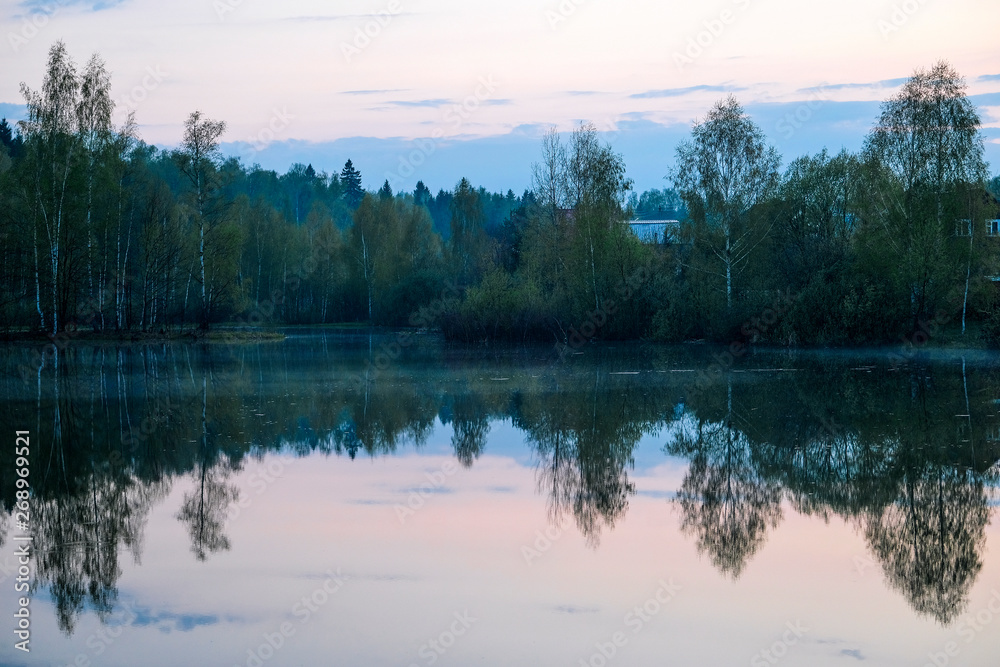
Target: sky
435,90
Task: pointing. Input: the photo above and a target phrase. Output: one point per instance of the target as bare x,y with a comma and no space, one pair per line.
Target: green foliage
663,204
925,173
104,232
468,243
498,308
350,179
991,329
723,174
394,259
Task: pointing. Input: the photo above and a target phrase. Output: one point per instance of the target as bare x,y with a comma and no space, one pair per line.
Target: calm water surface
320,502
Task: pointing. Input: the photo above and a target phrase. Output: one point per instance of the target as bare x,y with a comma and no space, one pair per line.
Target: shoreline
182,336
236,336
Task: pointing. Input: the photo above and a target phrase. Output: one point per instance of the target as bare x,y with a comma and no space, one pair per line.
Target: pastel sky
438,89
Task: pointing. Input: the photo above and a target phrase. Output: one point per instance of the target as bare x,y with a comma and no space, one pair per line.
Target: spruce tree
350,179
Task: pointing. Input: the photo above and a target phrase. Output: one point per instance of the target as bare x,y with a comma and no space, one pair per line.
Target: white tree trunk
38,282
968,276
729,273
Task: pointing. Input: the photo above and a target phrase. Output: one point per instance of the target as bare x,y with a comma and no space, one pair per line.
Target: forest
105,234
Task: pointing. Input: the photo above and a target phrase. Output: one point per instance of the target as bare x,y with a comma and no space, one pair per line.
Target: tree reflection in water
891,462
930,539
204,508
584,438
115,427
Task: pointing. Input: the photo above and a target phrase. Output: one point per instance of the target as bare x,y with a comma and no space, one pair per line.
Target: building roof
656,231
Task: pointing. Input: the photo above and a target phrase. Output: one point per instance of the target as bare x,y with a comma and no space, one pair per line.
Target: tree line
106,233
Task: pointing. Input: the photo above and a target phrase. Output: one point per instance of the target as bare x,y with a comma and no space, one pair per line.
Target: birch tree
927,143
597,187
53,152
722,173
548,179
198,160
468,244
93,117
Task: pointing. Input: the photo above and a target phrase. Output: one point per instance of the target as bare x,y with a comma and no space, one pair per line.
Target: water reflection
727,504
929,540
583,434
907,455
904,455
204,508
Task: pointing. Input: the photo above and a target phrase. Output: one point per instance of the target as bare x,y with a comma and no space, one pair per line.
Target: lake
354,499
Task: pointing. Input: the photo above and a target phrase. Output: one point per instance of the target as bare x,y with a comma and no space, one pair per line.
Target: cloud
431,104
533,130
503,161
418,490
634,117
49,6
341,17
571,609
988,77
355,576
677,92
885,83
166,621
437,103
852,653
375,92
